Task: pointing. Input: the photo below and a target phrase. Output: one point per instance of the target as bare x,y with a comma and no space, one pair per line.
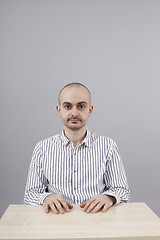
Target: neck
76,136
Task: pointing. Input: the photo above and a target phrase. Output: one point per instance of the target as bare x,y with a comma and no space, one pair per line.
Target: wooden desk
132,221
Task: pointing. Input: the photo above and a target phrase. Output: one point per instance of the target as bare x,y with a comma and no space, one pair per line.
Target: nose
74,112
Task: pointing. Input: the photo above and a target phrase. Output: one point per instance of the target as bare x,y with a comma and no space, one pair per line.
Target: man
76,166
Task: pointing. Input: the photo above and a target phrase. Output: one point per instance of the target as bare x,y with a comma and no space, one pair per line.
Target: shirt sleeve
36,186
115,176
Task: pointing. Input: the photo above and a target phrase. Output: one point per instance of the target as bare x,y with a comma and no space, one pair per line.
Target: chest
82,162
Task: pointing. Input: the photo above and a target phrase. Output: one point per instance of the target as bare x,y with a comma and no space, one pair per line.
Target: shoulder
104,143
102,139
48,141
44,148
107,145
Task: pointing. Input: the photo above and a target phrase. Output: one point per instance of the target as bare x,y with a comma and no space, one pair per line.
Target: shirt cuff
109,193
43,196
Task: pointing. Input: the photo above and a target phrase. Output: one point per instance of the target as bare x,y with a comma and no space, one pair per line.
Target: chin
73,127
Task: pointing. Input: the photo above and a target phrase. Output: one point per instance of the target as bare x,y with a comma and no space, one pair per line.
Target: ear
90,110
58,109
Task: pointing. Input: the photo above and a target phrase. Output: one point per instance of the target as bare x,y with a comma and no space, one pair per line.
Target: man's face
74,109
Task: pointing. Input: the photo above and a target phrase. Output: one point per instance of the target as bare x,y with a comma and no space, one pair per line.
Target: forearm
120,194
37,183
34,197
115,178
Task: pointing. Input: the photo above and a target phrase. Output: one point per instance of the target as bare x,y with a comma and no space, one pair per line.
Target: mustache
74,118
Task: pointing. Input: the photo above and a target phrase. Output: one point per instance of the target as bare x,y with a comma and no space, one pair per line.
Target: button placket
75,168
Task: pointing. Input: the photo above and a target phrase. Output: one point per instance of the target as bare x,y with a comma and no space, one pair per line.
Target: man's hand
97,202
56,203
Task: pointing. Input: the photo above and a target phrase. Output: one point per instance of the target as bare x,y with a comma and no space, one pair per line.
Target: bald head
73,85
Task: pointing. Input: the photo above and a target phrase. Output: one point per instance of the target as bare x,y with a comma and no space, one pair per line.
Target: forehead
74,95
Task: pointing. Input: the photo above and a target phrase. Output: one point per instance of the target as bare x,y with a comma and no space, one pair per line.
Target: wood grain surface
131,221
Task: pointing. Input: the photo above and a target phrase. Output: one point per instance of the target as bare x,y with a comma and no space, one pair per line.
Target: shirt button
75,171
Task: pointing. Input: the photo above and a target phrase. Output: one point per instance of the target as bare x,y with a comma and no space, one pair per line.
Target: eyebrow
82,102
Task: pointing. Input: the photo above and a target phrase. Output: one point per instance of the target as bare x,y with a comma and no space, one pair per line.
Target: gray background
111,46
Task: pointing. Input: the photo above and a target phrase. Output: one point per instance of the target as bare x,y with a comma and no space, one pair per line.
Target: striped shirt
77,173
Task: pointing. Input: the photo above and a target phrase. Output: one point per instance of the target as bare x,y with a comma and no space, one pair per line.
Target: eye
67,106
81,106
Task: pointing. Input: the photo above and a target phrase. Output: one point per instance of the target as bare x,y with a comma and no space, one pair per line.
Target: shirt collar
86,140
64,138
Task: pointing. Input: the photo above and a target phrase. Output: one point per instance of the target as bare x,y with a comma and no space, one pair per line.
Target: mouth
74,120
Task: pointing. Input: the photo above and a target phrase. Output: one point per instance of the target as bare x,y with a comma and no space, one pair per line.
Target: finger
105,208
46,208
83,204
58,206
52,206
70,205
88,203
91,206
66,205
97,207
